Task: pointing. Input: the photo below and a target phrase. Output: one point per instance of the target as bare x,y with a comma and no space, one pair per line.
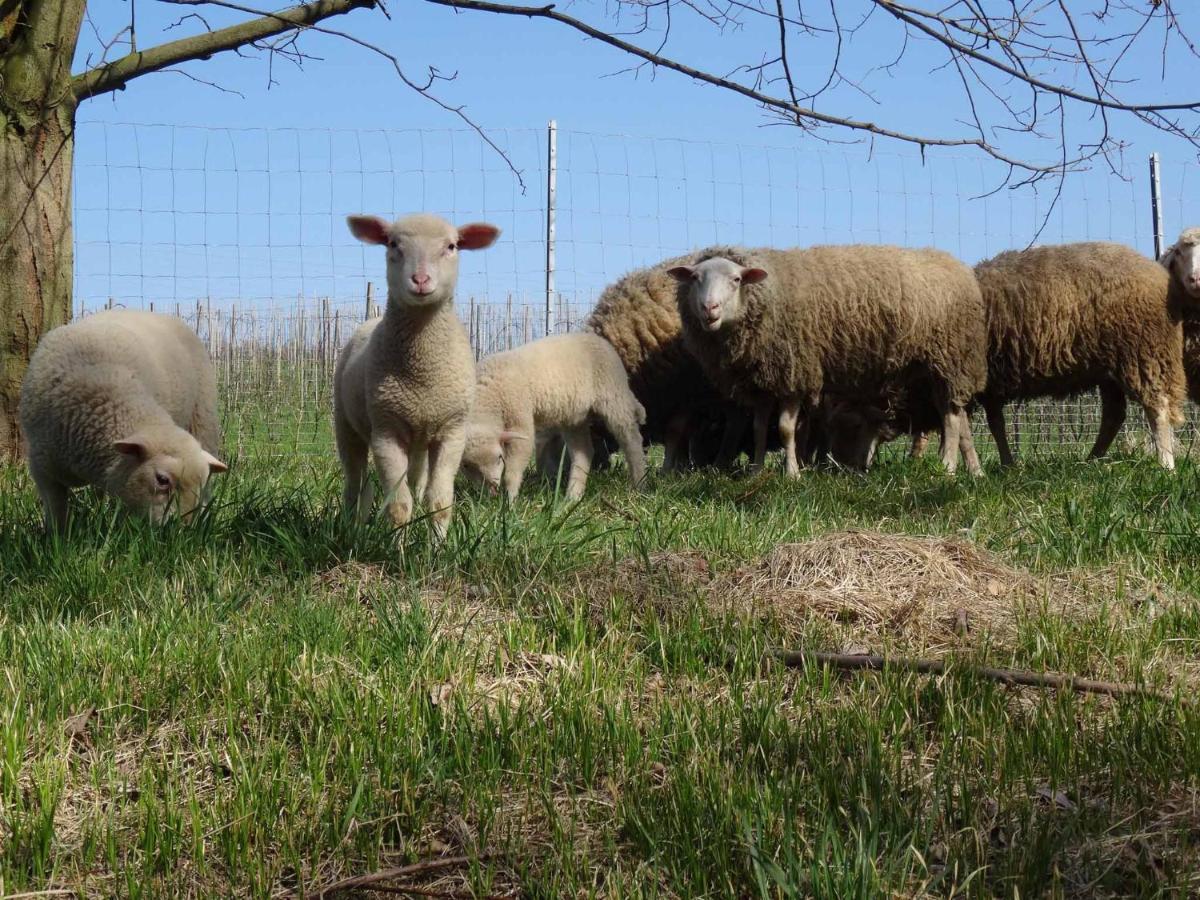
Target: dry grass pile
931,591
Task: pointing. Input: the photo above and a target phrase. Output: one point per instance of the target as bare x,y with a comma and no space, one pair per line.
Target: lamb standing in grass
126,401
403,385
558,383
785,325
1069,318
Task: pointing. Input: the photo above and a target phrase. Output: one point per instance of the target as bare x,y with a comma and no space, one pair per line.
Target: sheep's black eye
163,481
451,247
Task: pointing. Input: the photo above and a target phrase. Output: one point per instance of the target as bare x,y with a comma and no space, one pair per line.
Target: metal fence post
551,192
1156,205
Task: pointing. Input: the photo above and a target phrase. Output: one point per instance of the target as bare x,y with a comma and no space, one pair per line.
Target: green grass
283,698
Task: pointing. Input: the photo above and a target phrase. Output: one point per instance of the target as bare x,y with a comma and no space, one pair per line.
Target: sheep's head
422,253
1182,260
714,290
160,472
483,455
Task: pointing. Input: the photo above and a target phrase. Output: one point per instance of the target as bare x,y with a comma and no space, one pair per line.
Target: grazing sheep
852,429
125,401
1069,318
786,325
639,316
559,383
403,385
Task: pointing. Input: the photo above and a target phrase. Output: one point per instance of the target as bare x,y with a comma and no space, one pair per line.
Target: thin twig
420,868
801,658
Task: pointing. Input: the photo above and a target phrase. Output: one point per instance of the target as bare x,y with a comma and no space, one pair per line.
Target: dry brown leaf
439,694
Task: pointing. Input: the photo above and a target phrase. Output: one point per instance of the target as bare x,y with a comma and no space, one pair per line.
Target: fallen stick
420,868
799,658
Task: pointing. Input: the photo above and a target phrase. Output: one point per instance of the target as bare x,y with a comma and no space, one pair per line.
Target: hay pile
933,591
874,589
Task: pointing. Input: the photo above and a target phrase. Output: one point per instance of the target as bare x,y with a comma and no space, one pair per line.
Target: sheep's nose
420,281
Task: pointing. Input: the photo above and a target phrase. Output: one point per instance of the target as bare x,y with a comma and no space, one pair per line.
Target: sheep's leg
789,413
920,443
674,440
1112,417
762,416
966,444
950,438
995,420
444,458
54,502
1159,416
357,495
418,471
391,460
622,424
579,443
731,437
516,458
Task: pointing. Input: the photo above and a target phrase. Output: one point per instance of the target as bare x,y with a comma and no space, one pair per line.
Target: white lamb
556,384
403,385
126,401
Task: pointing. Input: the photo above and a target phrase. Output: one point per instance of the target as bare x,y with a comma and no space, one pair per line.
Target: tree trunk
35,251
37,144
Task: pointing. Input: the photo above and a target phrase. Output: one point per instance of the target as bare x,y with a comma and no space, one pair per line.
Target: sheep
559,383
1182,260
403,385
638,315
784,325
1069,318
551,452
126,401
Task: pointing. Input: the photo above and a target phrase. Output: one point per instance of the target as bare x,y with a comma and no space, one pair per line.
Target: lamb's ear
507,437
135,447
477,236
368,229
1168,258
753,276
214,464
682,274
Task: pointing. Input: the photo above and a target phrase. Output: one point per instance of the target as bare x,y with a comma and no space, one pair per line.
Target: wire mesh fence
241,232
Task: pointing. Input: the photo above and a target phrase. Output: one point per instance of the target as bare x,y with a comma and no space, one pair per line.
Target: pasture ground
575,696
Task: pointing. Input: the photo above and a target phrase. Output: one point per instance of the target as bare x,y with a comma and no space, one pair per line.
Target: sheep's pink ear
214,464
477,236
1168,257
507,437
682,273
134,447
368,229
753,276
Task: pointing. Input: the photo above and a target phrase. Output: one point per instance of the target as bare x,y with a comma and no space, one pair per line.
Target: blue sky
184,191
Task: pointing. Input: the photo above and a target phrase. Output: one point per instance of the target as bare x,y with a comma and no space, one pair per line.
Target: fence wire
242,233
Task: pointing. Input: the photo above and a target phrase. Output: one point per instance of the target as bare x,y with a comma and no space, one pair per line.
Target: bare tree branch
777,103
424,90
116,74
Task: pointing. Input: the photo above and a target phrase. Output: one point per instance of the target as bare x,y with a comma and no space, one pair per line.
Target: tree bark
37,135
35,256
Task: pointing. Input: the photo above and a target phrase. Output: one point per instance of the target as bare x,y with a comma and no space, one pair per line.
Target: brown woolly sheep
638,315
786,325
1182,260
1069,318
